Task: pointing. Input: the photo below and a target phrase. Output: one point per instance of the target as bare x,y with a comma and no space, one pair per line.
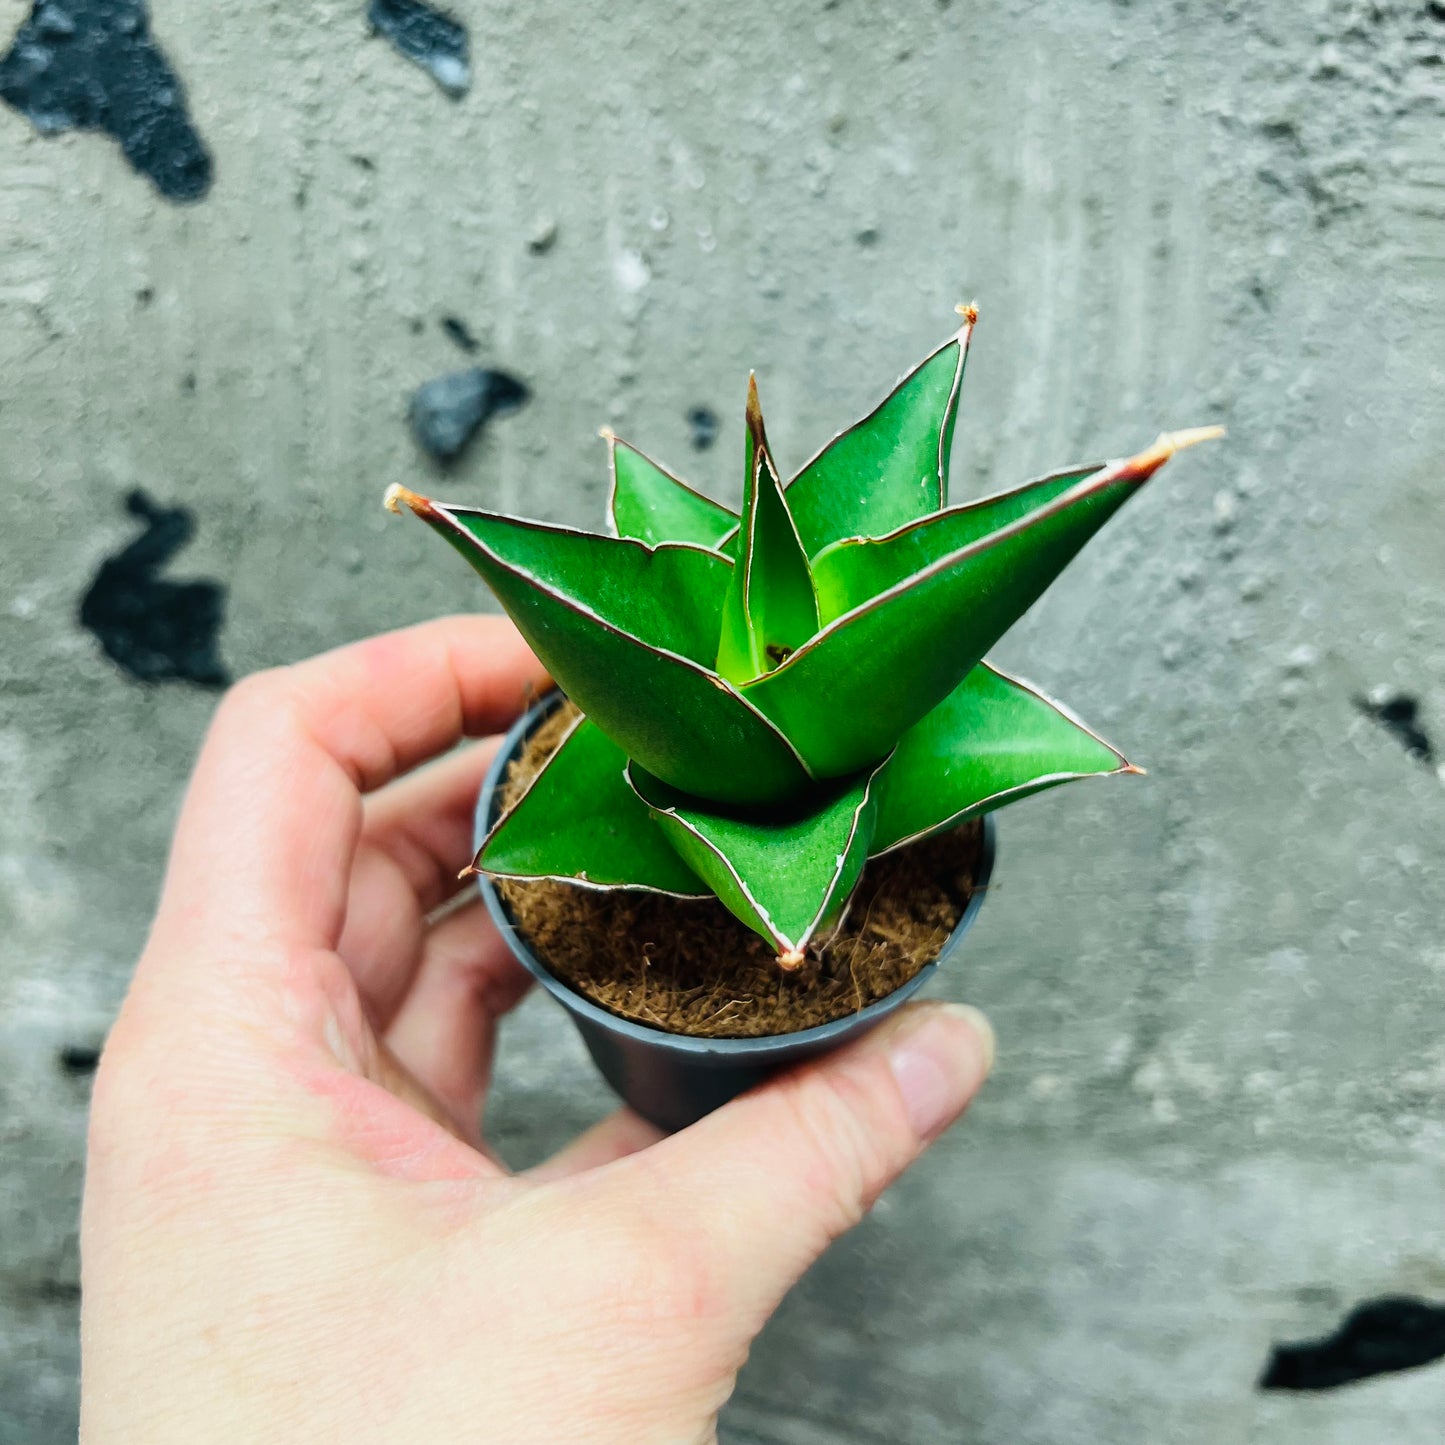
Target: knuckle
683,1282
846,1161
652,1263
661,1259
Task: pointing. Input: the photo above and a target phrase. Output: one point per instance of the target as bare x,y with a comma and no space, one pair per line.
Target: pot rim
759,1047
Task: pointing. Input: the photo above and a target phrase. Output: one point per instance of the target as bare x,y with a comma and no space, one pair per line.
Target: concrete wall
1217,1119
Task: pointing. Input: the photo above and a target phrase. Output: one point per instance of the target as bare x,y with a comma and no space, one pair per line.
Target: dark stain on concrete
447,412
434,41
94,65
1378,1337
461,333
78,1060
155,629
1399,714
703,422
53,1291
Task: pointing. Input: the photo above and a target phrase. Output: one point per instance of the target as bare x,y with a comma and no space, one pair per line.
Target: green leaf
845,698
849,572
892,466
991,741
651,505
784,876
628,632
771,608
580,820
668,597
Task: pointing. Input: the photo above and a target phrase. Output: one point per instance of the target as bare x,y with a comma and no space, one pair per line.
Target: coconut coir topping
688,966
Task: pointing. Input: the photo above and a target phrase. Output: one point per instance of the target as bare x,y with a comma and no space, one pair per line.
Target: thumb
771,1179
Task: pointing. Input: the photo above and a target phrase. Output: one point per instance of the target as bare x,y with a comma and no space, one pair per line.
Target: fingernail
939,1059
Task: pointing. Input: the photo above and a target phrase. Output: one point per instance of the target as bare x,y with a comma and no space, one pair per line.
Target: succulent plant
772,698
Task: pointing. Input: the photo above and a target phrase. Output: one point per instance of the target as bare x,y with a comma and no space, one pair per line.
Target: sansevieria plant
770,699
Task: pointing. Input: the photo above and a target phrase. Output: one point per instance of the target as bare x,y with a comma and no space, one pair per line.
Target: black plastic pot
672,1079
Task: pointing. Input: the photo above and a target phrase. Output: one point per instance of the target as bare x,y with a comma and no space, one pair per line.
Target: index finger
273,813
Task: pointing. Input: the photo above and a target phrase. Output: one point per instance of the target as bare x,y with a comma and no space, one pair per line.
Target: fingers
416,836
384,934
616,1137
771,1179
425,822
445,1031
266,836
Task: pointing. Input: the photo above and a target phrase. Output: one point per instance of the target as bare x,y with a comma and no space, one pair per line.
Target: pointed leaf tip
1192,436
772,604
757,441
891,467
397,496
782,877
1145,463
649,504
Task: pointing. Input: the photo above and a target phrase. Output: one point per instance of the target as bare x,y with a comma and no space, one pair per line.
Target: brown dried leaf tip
398,496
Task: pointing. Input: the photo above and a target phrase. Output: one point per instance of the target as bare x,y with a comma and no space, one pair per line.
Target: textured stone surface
1216,1121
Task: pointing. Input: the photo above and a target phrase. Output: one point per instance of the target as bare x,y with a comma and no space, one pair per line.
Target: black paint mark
461,333
703,421
446,412
435,41
1398,714
155,629
93,65
78,1060
1376,1338
543,237
55,1291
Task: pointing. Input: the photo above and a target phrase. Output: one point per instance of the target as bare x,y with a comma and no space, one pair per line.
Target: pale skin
293,1230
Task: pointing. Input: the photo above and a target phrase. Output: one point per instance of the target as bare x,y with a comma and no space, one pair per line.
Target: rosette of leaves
772,697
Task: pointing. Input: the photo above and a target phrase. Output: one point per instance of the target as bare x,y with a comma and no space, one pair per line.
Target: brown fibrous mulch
687,965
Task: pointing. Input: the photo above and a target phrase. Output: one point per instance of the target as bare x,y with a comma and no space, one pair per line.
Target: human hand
292,1230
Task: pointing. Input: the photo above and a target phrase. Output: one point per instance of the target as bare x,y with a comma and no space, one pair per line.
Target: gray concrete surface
1217,1119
